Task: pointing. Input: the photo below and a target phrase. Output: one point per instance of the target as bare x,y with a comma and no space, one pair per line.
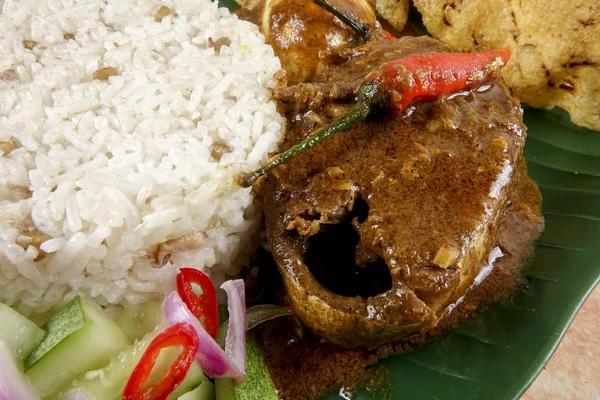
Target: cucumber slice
194,378
109,382
206,391
13,384
224,389
79,338
224,386
259,384
19,333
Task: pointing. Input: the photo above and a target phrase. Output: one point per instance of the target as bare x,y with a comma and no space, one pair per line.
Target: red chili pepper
388,36
396,84
204,307
179,335
428,76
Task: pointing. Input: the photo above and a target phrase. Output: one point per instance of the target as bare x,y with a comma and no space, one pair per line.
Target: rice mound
104,171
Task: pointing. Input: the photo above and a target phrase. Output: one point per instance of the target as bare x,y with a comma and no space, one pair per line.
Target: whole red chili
204,306
179,335
428,76
394,85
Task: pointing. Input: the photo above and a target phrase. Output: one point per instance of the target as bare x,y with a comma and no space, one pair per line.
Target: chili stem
358,27
370,96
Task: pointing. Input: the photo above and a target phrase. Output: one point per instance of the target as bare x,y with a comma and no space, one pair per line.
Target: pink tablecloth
573,372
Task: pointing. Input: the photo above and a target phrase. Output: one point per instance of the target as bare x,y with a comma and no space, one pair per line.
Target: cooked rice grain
117,166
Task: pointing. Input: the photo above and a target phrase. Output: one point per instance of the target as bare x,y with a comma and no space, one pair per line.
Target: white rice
116,167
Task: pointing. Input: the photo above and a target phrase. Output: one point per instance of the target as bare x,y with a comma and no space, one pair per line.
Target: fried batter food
393,11
555,47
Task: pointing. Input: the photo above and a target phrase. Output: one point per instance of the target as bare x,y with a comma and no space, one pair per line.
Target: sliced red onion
13,384
235,344
77,394
211,357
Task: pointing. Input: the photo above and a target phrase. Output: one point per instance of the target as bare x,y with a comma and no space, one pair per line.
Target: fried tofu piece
393,11
555,47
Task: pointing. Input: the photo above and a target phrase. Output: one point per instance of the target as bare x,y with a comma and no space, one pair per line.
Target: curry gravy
304,369
433,184
424,196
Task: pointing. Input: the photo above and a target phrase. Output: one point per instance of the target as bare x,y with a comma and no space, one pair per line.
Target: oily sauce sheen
305,38
433,182
304,369
379,232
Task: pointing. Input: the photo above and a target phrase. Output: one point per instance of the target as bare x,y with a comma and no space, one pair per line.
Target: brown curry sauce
433,184
307,367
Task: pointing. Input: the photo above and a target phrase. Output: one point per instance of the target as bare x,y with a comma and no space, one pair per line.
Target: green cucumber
223,386
206,391
79,338
194,378
138,319
108,383
19,333
259,384
224,389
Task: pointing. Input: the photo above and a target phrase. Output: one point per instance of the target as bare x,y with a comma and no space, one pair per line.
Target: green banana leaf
498,354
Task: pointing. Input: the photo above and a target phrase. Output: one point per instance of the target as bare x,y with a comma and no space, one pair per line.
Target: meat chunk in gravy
378,230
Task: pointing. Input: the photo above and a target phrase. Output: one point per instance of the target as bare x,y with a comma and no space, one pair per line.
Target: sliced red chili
388,36
179,335
204,306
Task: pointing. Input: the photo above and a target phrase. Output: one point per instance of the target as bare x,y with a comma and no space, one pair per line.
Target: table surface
573,372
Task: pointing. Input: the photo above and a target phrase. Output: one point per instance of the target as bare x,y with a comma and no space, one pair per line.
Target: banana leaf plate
498,354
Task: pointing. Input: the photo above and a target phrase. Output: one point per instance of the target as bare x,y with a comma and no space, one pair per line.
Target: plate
500,352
